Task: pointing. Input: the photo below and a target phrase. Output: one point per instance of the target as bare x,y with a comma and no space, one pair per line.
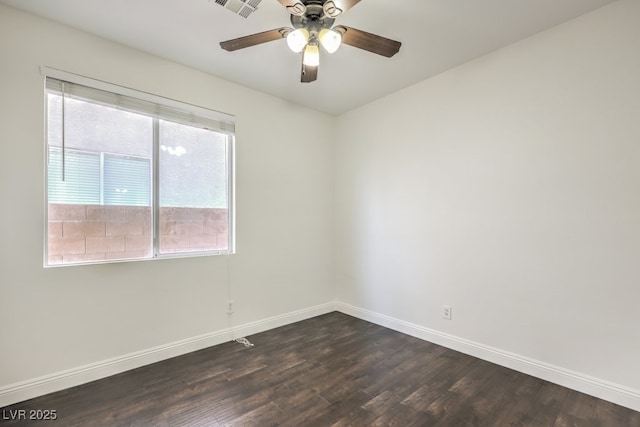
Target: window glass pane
99,196
98,128
193,189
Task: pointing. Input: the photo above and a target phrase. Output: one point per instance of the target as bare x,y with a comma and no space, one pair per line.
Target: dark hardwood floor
332,370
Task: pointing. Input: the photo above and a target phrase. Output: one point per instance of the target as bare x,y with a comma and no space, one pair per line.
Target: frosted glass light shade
330,39
311,56
298,39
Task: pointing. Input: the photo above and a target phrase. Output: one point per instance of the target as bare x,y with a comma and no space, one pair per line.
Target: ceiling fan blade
254,39
294,7
367,41
309,73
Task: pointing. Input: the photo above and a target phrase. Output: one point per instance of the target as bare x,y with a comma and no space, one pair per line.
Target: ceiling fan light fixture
298,39
330,39
311,56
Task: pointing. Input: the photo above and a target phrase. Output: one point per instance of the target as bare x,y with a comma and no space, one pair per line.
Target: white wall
508,188
56,319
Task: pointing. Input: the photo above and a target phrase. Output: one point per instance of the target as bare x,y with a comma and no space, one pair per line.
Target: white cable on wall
241,340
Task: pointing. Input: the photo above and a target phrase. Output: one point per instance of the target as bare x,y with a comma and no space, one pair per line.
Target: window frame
165,109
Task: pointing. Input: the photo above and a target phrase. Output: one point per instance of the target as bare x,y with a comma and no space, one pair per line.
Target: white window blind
154,106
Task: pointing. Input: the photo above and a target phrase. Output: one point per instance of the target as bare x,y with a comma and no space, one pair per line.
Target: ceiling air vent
243,8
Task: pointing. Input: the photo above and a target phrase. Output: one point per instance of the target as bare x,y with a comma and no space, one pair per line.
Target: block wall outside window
94,233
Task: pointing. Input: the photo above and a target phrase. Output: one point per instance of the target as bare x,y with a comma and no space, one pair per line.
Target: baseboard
599,388
35,387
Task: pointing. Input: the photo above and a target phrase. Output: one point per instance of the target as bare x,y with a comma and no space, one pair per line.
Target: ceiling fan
312,22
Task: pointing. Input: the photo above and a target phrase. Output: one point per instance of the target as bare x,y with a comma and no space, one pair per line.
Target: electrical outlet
446,312
230,307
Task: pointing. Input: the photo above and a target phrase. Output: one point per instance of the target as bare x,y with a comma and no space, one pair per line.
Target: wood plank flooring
331,370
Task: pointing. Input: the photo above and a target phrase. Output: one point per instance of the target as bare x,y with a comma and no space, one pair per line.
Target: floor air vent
243,8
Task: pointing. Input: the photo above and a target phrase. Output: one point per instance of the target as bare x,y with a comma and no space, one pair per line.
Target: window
134,176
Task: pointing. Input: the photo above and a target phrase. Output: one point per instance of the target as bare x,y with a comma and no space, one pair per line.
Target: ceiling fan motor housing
314,19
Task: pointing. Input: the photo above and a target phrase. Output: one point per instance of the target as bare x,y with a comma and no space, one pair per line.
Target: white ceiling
436,35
